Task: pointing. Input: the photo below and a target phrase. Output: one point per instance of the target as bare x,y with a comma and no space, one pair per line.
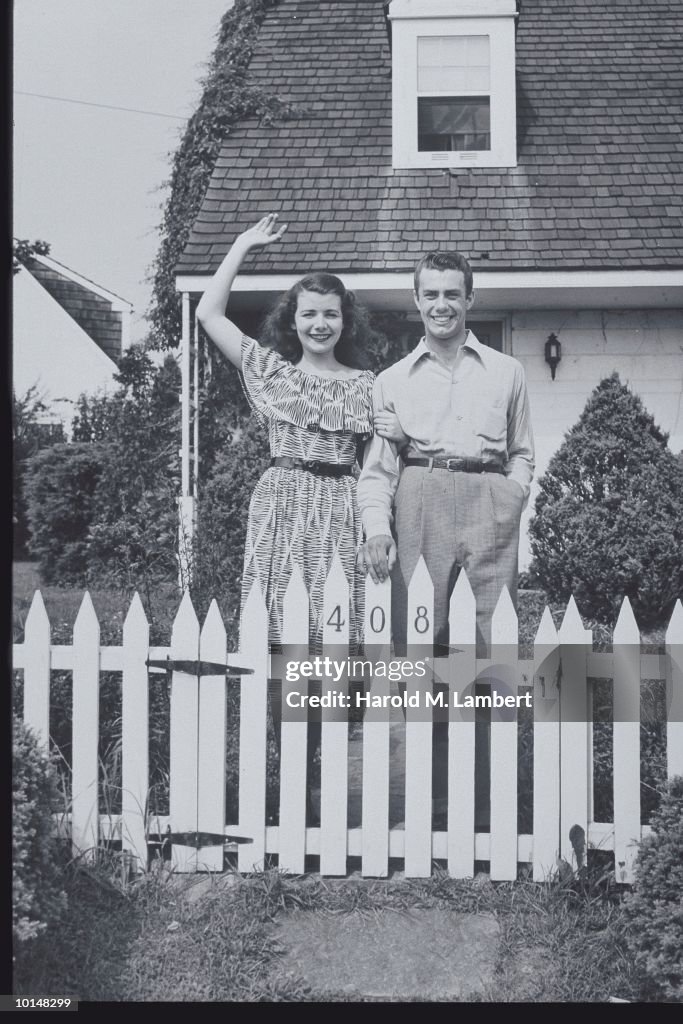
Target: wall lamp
553,353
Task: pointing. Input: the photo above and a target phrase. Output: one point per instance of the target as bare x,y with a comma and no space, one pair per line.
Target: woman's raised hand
263,233
211,308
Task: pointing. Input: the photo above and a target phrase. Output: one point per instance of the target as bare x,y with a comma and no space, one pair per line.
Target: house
541,139
68,335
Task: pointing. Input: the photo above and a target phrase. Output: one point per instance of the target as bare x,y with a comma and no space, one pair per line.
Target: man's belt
317,468
458,465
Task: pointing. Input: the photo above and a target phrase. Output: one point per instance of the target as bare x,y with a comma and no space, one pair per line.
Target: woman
307,384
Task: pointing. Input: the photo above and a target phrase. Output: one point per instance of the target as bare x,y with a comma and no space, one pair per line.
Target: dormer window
453,93
453,83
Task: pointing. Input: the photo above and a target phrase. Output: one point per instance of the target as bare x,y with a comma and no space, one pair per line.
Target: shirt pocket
491,420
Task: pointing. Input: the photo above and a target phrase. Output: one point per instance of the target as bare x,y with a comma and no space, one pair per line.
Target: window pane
435,80
488,332
435,51
453,123
453,64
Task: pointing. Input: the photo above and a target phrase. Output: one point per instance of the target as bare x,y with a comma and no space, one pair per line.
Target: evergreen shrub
38,896
608,520
654,909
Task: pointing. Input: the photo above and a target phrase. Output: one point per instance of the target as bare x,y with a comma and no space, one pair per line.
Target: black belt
458,465
317,468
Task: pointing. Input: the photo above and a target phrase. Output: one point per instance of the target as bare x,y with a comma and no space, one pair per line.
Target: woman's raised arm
211,309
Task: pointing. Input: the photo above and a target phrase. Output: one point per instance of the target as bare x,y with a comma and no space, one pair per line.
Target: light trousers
457,521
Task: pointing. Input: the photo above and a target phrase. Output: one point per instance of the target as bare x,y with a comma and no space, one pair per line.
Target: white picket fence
562,738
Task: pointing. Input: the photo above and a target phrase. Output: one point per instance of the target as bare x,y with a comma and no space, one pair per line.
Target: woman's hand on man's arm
388,426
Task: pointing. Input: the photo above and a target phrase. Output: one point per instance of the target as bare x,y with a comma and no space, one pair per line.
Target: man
461,483
463,478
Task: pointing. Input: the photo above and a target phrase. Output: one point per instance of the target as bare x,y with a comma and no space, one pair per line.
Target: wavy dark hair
351,349
444,260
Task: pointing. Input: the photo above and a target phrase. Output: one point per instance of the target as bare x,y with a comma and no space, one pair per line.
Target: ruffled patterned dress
297,517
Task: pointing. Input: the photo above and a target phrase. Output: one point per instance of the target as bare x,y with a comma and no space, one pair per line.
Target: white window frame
504,319
412,19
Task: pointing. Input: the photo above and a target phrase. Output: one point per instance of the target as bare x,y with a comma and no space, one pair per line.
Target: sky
87,179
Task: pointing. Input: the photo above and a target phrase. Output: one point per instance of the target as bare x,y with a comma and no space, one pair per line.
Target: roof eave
528,289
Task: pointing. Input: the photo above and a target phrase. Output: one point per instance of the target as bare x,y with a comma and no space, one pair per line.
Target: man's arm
376,489
520,439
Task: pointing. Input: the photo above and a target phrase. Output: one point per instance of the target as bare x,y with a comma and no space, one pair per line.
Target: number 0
373,626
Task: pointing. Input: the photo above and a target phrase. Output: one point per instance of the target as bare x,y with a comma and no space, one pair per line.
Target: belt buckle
311,466
452,465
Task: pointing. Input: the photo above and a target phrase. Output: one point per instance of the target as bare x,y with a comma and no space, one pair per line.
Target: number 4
336,620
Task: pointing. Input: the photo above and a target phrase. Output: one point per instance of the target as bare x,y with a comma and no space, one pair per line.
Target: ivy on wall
226,100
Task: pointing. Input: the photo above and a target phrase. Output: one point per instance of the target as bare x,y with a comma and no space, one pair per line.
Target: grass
111,606
173,939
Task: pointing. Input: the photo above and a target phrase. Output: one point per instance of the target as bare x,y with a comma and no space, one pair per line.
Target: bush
607,520
654,909
222,520
133,535
29,435
60,486
105,506
38,898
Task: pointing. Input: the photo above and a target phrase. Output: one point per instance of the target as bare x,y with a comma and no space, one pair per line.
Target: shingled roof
94,313
599,181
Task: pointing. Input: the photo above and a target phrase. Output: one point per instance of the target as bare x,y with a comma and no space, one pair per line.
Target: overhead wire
103,106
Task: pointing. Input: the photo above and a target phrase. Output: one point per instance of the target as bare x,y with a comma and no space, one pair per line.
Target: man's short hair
444,261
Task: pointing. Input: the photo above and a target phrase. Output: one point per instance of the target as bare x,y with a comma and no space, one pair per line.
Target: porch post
186,501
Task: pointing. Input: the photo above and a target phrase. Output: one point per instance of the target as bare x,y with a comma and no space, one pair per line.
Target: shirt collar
471,343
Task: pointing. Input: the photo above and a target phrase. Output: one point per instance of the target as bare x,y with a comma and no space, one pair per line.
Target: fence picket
253,732
37,670
294,735
184,735
335,730
674,687
85,764
212,741
375,832
546,799
462,617
418,816
575,762
504,742
626,733
562,735
135,733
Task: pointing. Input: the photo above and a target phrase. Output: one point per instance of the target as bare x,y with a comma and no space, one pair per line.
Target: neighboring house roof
51,352
599,181
103,315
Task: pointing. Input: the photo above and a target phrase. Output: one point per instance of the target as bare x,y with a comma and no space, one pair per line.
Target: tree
29,435
608,520
23,250
222,519
61,483
105,507
133,534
